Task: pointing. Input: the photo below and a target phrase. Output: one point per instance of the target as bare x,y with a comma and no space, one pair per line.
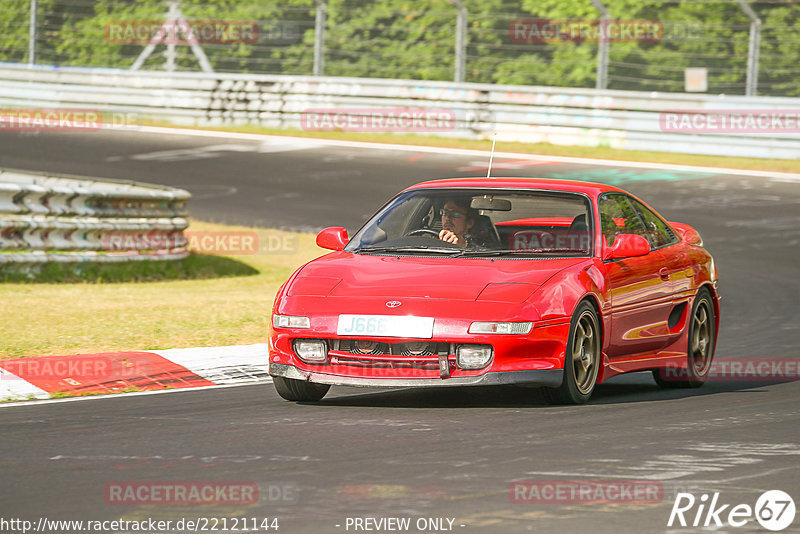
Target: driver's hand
450,237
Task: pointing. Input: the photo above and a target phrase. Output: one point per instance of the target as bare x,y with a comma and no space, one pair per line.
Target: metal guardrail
54,218
564,116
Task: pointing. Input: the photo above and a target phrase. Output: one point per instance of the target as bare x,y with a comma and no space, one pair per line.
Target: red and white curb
81,374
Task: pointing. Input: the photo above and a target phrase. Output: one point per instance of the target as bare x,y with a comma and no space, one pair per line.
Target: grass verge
69,394
210,306
193,267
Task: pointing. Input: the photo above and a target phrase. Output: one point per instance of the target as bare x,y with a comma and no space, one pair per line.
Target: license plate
385,326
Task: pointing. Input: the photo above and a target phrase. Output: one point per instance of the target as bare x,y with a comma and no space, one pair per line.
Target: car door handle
664,273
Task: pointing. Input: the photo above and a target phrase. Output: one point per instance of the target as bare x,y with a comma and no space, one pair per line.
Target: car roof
548,184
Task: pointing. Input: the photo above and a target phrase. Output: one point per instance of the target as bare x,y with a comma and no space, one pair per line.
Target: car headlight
311,350
290,321
473,356
500,328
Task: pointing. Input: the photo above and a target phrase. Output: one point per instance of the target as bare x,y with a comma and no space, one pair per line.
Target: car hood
343,274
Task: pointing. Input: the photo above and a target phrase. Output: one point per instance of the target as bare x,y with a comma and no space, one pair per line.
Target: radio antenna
491,157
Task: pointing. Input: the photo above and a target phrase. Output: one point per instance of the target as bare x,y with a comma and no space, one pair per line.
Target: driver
457,220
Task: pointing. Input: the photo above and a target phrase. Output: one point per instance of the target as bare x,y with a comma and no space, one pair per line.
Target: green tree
86,41
415,39
714,36
15,27
779,69
14,24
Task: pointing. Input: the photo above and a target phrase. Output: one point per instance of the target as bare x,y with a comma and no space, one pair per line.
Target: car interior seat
484,233
579,224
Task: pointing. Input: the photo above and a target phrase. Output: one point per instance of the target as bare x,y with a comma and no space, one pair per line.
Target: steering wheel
424,231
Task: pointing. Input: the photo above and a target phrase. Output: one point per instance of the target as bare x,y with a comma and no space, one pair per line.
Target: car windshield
479,222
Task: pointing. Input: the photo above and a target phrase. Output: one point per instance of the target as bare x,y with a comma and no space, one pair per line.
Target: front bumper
543,377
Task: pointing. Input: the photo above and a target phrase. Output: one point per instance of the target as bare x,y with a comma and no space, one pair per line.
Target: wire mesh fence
642,45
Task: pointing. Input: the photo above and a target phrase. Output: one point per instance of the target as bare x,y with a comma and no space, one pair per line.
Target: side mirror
333,238
626,246
688,234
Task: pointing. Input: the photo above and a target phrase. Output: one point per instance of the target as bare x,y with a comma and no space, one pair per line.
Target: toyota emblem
393,304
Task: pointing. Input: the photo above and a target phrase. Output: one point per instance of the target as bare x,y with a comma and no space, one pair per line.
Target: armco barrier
68,219
587,117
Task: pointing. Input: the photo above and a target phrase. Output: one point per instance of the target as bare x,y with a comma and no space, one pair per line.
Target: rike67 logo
774,510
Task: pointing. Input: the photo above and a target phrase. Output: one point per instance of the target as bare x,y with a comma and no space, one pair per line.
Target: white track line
314,141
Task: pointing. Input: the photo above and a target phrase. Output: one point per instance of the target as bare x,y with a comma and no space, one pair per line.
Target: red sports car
474,281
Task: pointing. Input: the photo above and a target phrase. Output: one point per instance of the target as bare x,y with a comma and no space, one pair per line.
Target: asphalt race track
433,453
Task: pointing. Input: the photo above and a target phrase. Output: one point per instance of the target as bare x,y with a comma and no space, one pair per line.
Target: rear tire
581,360
299,390
700,348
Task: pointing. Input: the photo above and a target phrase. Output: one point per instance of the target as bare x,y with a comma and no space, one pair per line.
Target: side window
658,233
617,216
406,215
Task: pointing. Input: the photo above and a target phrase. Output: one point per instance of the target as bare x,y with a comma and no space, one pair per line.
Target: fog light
500,328
290,321
311,350
473,356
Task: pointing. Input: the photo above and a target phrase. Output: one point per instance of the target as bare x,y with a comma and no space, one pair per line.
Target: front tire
581,360
299,390
700,349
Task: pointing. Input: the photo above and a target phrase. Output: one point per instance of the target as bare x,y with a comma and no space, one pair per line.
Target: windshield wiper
489,253
406,250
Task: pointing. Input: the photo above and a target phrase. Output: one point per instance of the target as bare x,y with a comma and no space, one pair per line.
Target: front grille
376,362
418,348
375,354
362,346
377,348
